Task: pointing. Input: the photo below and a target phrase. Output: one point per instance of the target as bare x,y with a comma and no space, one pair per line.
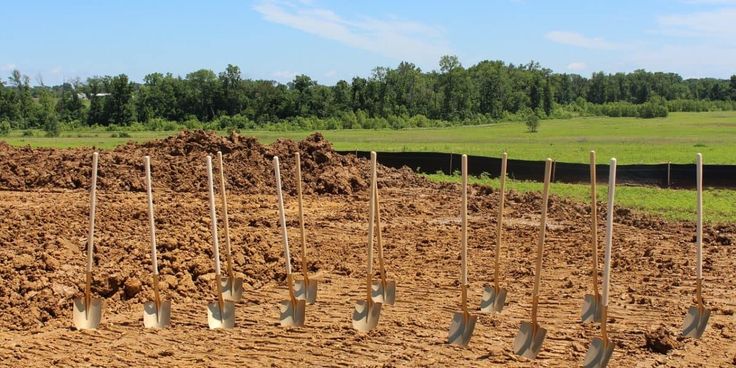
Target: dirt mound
661,340
178,164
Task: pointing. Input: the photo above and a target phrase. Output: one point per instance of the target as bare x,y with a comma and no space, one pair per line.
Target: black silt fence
661,175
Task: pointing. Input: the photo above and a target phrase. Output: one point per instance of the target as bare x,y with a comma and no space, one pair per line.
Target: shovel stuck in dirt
592,302
292,310
463,323
697,316
494,297
384,290
231,286
367,312
88,310
221,313
601,348
304,289
528,341
156,313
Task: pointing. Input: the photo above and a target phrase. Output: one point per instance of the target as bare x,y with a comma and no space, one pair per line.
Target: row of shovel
528,342
87,312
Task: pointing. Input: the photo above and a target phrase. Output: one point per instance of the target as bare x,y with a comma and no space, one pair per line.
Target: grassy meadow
676,139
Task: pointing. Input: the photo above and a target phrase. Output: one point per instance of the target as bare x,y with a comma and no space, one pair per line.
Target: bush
4,128
28,133
532,123
52,128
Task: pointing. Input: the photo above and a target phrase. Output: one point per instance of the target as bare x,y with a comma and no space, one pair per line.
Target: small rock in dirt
132,287
660,341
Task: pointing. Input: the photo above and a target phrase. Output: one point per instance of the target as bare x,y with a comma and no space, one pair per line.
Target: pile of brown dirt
178,164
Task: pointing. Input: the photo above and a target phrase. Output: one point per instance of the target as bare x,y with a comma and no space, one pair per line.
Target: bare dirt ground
43,235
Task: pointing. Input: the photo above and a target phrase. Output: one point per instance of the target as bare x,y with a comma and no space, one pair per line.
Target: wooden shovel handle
609,230
381,265
92,208
540,244
302,233
225,217
213,219
282,216
499,225
699,225
151,221
371,219
464,236
609,241
594,222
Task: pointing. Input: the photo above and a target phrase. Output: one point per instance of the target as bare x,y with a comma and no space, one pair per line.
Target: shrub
28,133
532,123
52,128
4,128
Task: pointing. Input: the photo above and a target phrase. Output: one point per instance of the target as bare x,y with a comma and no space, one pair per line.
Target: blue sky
332,40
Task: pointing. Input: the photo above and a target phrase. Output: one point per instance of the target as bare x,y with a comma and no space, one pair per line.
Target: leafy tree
119,107
547,98
532,123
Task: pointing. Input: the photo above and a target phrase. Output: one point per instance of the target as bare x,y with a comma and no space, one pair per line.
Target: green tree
547,97
120,108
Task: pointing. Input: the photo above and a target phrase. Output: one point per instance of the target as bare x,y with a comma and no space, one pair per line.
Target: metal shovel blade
695,322
221,318
157,319
308,293
365,315
385,295
87,317
461,329
492,301
529,341
232,289
591,308
292,313
598,354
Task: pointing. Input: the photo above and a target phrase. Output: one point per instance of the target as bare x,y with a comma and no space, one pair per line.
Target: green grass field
676,138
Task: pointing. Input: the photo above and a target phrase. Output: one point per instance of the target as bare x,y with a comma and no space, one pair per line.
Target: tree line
398,97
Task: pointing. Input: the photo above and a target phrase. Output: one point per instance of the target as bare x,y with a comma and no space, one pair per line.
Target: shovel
697,316
367,312
494,298
305,289
528,341
601,348
232,287
221,313
88,310
463,323
592,302
156,313
384,291
292,310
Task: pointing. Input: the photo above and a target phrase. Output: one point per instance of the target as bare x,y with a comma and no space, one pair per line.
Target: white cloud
580,40
719,23
577,66
8,67
702,60
284,75
391,37
331,73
